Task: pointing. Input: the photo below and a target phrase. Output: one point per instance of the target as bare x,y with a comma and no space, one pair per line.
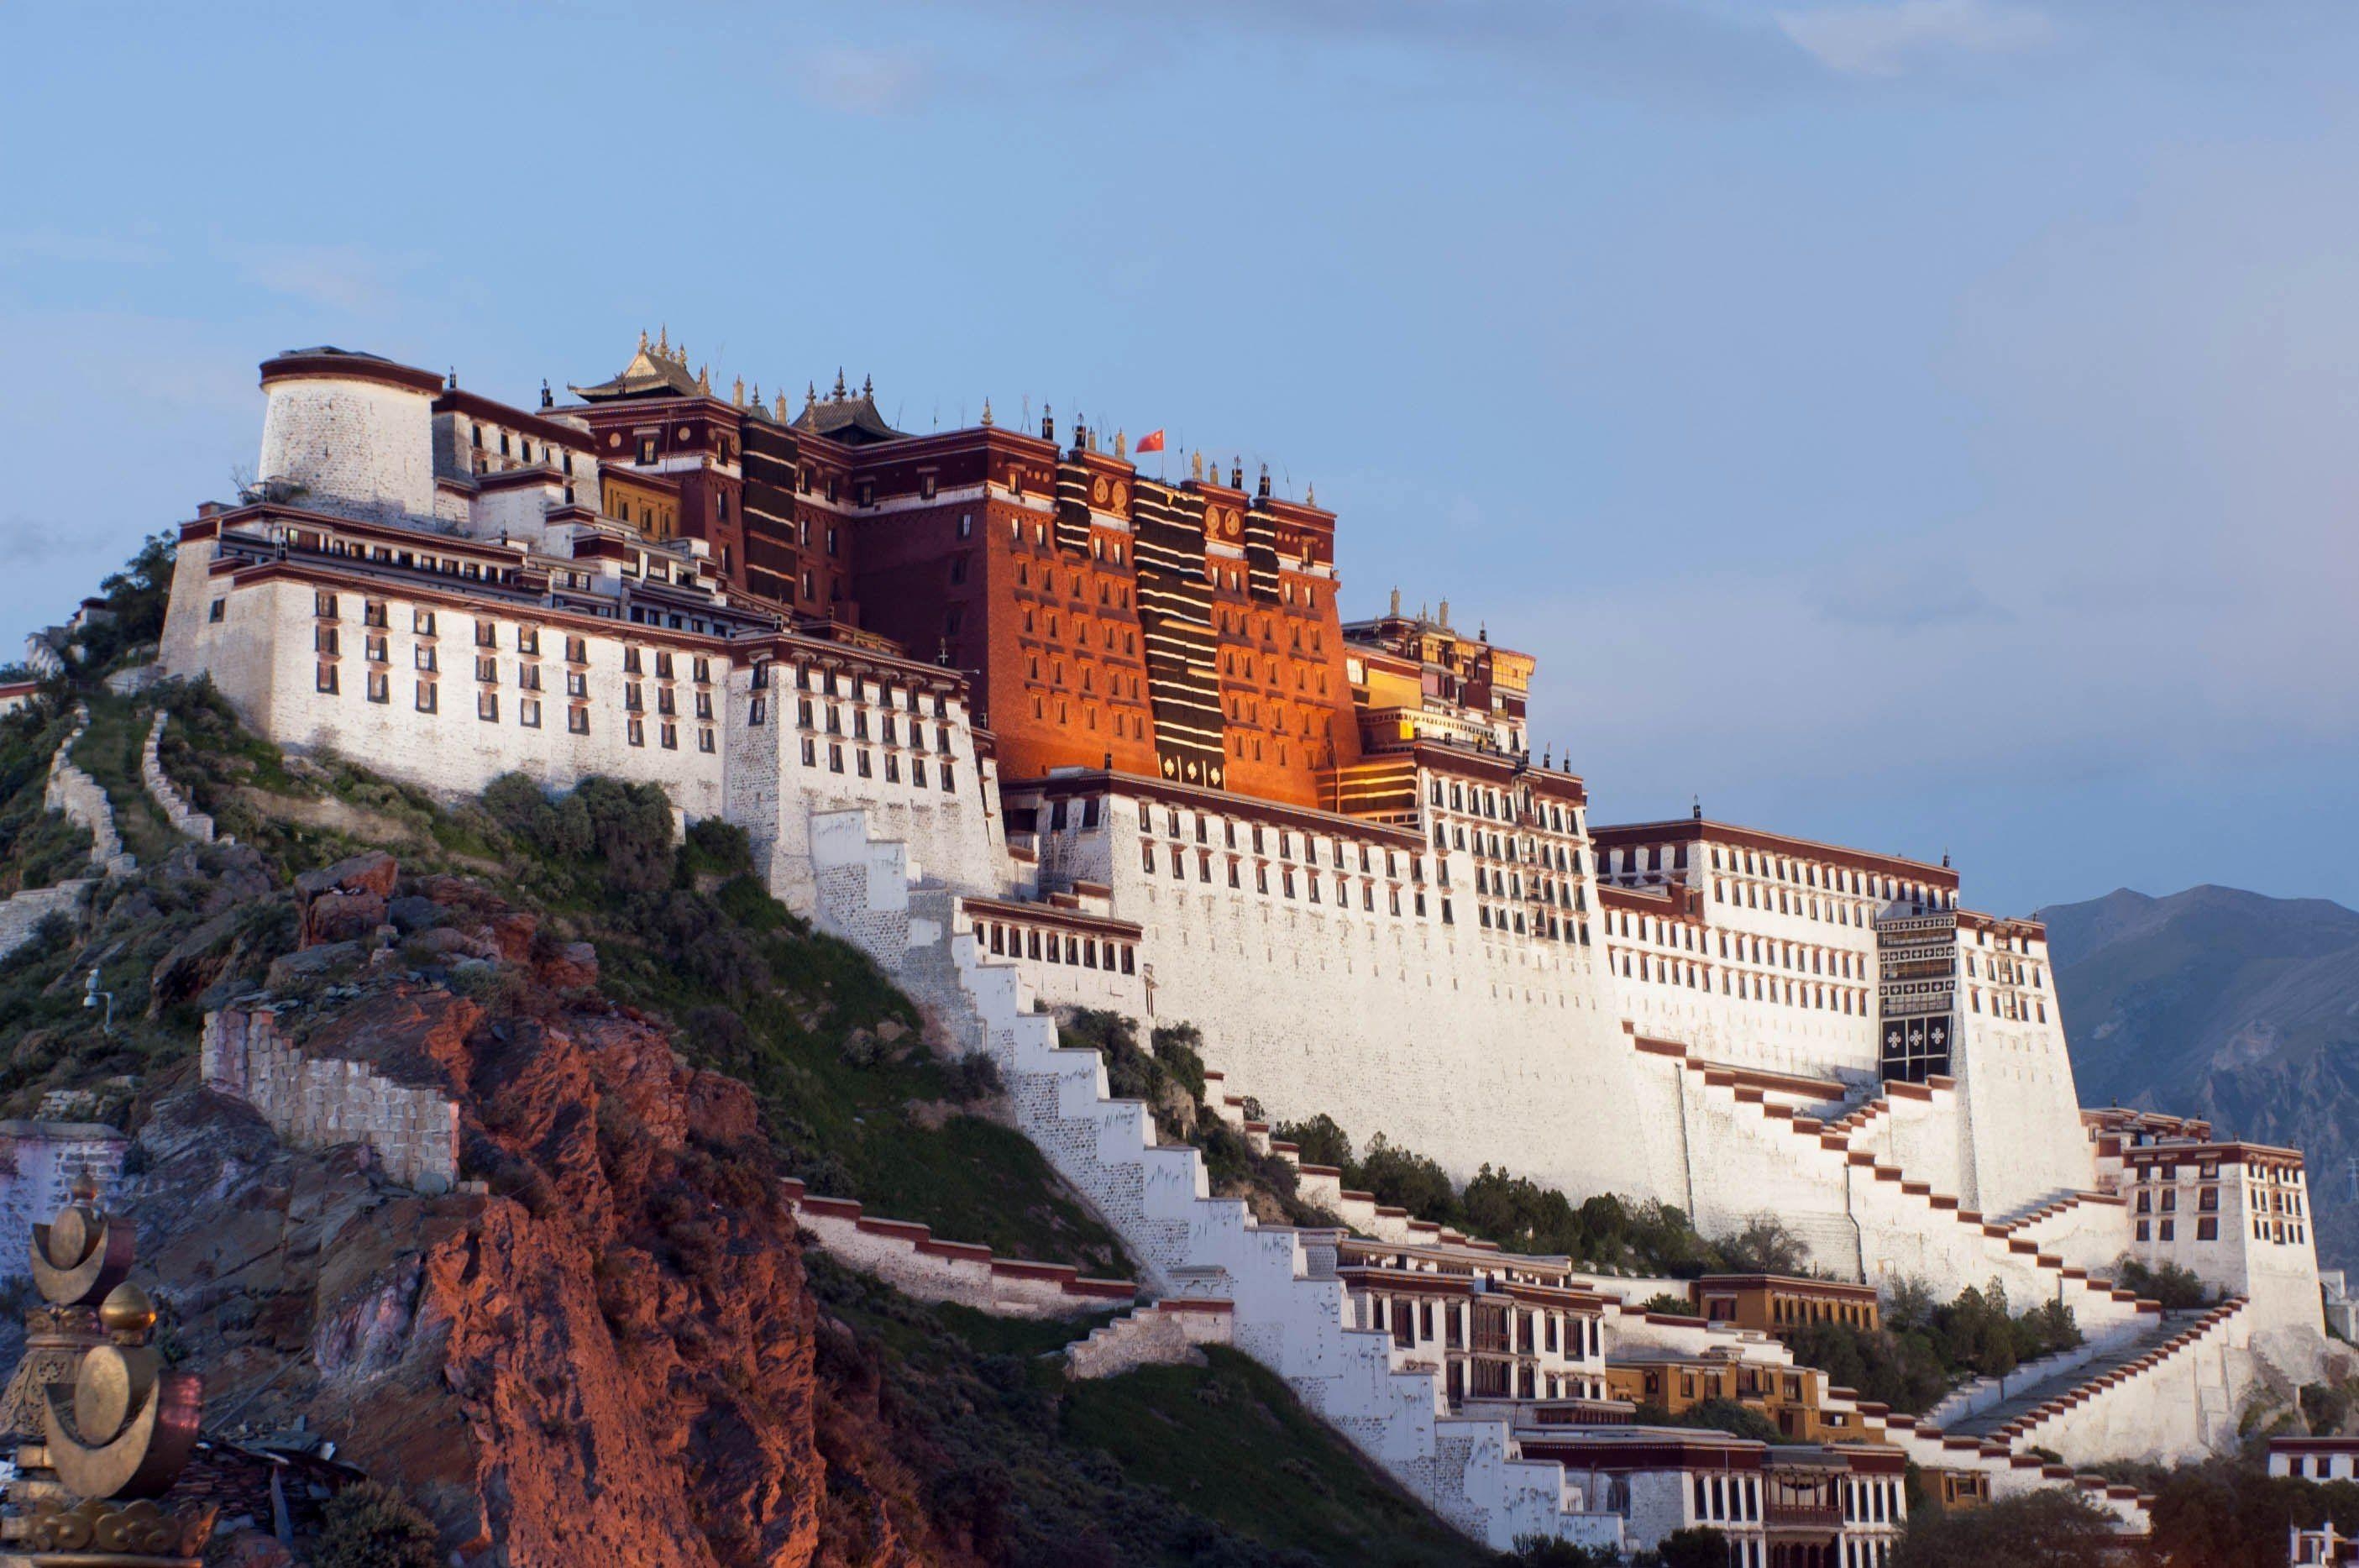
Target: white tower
349,432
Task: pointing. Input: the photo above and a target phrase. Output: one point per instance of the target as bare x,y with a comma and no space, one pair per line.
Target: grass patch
1232,1442
109,751
1215,1465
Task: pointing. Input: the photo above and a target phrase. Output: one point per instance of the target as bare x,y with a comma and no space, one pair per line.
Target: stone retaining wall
21,915
38,1162
316,1102
1160,1335
184,817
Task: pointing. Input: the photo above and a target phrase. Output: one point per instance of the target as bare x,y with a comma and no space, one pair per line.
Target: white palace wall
2022,1117
1465,1045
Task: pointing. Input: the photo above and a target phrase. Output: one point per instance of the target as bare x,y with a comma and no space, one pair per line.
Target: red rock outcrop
608,1357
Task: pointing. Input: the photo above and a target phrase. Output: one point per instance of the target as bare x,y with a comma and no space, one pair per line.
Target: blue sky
1918,423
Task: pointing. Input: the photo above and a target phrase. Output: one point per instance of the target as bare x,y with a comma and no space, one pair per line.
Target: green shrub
368,1525
2176,1288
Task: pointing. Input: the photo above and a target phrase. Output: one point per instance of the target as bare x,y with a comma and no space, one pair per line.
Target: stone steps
1159,1333
1881,1193
1286,1309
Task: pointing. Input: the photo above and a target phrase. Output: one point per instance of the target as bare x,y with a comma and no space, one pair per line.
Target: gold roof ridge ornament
115,1426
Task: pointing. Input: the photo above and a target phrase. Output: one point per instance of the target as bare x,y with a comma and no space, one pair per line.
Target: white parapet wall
168,797
909,1258
83,802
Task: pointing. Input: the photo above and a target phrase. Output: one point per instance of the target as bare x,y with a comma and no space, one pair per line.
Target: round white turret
348,432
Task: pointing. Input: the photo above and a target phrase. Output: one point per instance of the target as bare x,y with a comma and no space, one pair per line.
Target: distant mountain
2226,1004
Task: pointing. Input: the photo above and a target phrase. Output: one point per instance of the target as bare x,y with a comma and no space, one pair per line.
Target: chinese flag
1151,442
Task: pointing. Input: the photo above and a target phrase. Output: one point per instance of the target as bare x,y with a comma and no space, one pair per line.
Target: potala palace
1038,730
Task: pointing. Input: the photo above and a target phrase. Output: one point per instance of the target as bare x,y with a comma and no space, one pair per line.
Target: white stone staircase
1905,1217
1287,1305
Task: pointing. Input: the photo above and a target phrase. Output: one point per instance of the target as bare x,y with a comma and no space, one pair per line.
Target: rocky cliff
606,1355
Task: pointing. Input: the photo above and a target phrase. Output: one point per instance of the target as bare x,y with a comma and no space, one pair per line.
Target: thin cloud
348,277
862,80
49,243
1889,40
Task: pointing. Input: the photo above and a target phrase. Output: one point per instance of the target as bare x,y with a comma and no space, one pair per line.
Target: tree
1318,1141
1765,1247
1695,1548
2040,1530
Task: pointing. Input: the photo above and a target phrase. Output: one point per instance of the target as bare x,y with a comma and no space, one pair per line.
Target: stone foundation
320,1102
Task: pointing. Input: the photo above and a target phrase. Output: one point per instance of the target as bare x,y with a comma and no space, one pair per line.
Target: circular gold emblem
1099,494
1121,495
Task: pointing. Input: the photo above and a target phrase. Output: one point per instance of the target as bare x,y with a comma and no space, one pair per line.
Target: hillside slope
2228,1004
610,1344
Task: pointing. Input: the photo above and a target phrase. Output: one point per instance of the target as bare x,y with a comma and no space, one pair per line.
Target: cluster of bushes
1168,1073
2176,1288
1925,1347
1522,1216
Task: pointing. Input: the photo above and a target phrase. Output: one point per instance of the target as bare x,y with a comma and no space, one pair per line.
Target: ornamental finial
737,392
986,413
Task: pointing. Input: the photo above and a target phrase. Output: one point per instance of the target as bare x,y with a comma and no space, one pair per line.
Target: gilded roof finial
839,384
810,395
1121,444
737,392
867,388
986,413
782,407
1196,464
704,379
663,341
1310,494
643,340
